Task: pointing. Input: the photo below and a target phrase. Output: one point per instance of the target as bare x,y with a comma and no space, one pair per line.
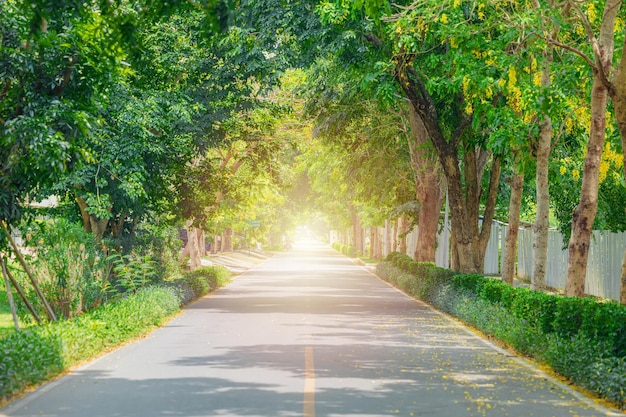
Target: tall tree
601,61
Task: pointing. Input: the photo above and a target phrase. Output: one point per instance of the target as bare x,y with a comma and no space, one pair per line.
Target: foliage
348,250
581,338
68,265
34,355
196,283
130,273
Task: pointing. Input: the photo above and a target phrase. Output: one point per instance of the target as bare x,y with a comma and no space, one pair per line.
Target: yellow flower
465,84
575,174
457,3
444,19
468,108
562,170
580,30
604,169
619,25
481,11
537,79
591,12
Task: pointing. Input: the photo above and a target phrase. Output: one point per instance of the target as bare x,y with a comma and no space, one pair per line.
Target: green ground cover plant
583,339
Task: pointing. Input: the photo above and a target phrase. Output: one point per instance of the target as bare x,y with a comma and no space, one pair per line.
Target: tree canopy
205,112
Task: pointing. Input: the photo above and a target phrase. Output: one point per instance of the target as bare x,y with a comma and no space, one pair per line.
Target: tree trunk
98,227
195,260
585,213
389,237
482,240
117,225
428,188
510,246
227,240
357,230
82,206
403,226
396,234
542,220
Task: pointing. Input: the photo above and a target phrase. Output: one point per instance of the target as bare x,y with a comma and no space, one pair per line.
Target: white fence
603,269
604,266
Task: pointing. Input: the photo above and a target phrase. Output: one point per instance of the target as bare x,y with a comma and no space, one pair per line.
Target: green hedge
346,250
31,356
199,282
581,338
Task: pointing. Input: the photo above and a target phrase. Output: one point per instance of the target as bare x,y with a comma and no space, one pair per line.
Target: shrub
217,275
70,270
198,283
470,282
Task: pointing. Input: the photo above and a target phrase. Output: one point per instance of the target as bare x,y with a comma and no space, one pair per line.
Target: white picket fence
603,269
604,266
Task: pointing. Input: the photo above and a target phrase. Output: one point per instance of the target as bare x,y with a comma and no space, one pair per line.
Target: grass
6,320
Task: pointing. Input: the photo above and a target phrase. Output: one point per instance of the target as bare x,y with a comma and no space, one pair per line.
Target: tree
601,62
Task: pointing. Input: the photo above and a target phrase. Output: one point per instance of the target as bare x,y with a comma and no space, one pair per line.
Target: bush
200,281
32,356
70,269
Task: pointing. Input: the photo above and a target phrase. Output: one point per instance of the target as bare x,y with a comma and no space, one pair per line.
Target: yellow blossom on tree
604,169
488,92
465,85
579,29
444,18
619,25
562,170
591,12
481,11
514,97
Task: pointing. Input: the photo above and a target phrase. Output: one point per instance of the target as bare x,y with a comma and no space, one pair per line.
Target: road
307,333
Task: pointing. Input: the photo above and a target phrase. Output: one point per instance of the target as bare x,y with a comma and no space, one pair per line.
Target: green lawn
6,320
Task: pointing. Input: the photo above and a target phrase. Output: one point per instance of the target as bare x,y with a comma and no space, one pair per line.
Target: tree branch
373,39
572,49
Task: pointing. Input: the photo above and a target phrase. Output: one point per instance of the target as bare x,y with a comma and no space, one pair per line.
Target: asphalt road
307,333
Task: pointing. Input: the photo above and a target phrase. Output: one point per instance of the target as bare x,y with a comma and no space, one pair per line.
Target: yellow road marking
309,383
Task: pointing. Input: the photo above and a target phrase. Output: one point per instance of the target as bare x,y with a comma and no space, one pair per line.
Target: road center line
309,383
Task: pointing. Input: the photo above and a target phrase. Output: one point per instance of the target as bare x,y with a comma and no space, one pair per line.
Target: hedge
347,250
199,282
581,338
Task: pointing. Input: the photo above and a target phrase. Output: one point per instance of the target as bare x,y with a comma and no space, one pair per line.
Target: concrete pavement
308,333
